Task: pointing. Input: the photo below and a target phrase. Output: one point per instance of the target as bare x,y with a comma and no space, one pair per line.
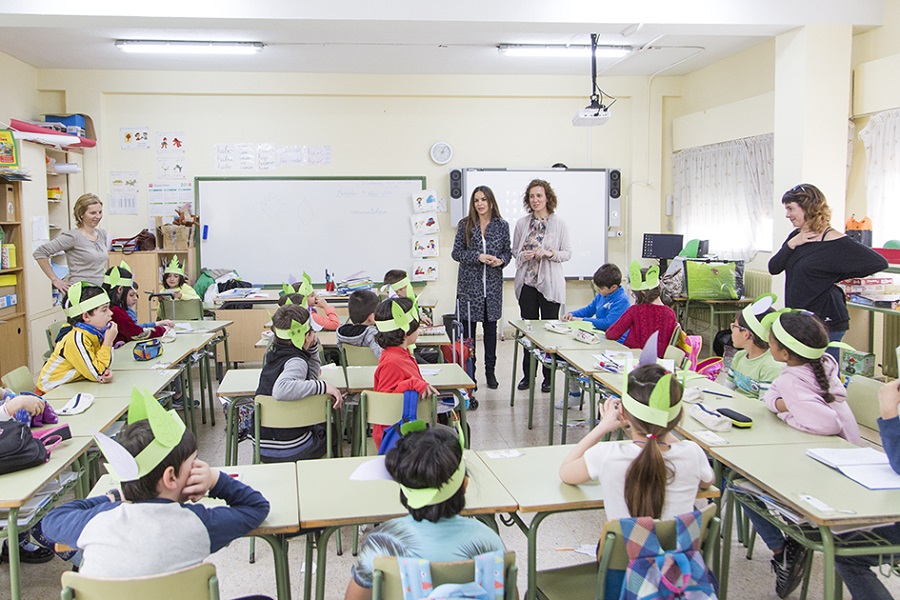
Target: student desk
532,478
18,488
330,499
550,343
153,381
101,414
278,483
447,377
174,353
585,362
218,327
239,387
785,472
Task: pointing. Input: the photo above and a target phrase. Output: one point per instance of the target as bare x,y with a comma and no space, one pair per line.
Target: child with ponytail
808,395
653,474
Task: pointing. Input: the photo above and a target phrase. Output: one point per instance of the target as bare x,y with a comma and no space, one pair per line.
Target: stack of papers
865,466
357,281
750,488
38,501
239,292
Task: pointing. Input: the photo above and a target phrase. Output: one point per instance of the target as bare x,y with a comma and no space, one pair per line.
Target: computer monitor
662,245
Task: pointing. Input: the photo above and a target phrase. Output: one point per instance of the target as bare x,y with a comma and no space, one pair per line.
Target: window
881,138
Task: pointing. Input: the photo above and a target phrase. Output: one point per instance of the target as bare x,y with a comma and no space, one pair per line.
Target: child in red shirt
397,371
647,315
122,290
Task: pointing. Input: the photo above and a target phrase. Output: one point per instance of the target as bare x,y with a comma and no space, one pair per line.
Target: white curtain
881,137
724,194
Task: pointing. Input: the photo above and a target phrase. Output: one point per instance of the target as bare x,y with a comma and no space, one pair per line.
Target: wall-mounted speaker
456,186
615,183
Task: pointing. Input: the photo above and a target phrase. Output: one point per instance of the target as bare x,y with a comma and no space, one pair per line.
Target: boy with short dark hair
400,286
361,330
610,302
155,530
85,352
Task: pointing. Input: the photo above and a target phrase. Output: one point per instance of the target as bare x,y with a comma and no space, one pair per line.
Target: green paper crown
114,278
401,320
76,306
642,282
174,267
297,332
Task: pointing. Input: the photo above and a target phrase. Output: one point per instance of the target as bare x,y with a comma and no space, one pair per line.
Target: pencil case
710,419
737,419
147,350
586,337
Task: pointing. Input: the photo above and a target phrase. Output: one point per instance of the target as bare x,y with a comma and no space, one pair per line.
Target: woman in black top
482,249
815,257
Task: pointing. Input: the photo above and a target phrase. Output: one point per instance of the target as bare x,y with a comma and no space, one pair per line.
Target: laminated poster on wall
170,167
425,246
134,138
123,192
428,201
163,197
170,143
424,270
425,223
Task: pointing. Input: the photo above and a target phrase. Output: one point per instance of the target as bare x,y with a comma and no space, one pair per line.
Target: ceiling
411,36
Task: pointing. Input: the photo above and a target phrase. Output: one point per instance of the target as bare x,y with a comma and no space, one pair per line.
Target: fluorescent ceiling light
188,47
562,51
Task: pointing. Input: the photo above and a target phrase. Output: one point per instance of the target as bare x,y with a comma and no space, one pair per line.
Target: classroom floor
494,425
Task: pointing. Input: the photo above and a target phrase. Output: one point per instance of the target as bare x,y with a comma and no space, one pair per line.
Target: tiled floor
494,425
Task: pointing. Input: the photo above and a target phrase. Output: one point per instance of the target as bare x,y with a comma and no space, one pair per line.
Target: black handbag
19,449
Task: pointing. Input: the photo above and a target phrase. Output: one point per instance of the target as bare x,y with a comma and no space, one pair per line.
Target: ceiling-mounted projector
595,114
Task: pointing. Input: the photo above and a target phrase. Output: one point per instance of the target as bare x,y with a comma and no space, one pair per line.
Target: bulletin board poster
163,197
9,152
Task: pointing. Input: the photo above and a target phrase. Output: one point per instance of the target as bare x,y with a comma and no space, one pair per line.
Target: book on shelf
866,466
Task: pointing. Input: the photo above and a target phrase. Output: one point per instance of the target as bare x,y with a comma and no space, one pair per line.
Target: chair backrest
612,541
386,576
184,310
862,396
677,355
19,380
381,408
359,356
312,410
53,332
194,583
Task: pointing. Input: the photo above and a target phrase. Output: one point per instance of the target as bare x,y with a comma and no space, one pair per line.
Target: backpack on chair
654,573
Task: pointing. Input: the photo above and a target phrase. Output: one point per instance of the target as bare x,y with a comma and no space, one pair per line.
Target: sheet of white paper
874,477
183,327
426,372
371,470
503,453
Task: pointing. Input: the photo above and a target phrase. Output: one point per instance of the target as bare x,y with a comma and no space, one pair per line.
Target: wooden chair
19,380
587,581
180,310
354,356
194,583
862,397
380,408
386,576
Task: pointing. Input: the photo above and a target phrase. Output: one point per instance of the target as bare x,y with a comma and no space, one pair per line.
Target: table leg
227,355
565,412
209,386
322,560
282,572
531,533
725,541
12,536
462,415
828,583
593,383
187,396
202,389
512,388
531,375
552,396
308,564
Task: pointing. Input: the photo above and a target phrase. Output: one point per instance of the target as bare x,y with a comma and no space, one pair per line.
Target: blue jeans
856,571
770,534
835,336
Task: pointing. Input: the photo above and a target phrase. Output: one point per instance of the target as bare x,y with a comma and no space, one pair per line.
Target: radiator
889,344
756,283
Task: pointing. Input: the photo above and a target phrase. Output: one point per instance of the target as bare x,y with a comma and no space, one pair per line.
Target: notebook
866,466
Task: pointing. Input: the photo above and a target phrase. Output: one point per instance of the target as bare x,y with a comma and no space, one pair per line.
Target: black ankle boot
491,379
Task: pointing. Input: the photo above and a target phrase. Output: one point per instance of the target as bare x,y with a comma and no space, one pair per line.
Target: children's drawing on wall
134,138
426,201
170,167
425,246
170,143
424,270
425,224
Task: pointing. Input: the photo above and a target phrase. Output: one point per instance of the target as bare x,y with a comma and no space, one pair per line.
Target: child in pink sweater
808,395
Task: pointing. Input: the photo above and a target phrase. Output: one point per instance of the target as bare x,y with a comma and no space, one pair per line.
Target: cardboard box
857,363
8,256
75,120
8,279
8,202
175,237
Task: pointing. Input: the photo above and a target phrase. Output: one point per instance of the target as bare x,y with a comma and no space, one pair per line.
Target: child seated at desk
303,294
753,369
291,372
397,370
609,304
361,330
648,314
121,289
856,571
653,474
86,351
155,529
431,471
174,281
399,286
10,404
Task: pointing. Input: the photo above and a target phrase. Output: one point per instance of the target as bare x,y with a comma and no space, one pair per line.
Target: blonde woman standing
86,247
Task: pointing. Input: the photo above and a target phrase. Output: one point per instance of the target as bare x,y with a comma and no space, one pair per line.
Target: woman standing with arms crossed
482,250
540,245
815,257
86,247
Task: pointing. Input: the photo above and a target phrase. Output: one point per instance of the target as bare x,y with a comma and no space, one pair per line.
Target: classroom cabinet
14,347
13,331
